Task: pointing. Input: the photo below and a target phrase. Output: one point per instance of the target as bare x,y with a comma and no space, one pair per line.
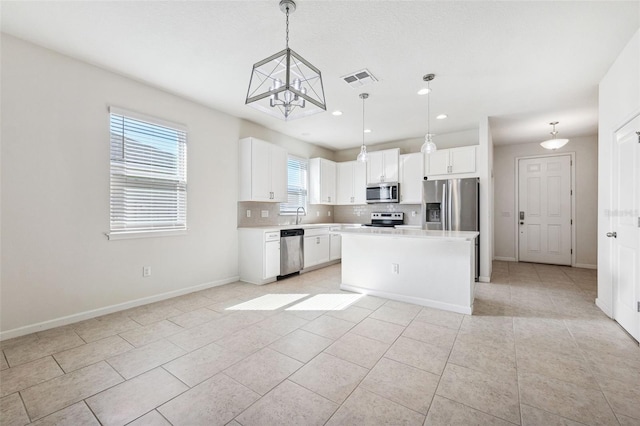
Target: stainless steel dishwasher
291,251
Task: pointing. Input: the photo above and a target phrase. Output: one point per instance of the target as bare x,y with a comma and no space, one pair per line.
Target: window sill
127,235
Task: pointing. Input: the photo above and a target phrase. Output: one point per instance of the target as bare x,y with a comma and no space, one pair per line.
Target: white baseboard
505,259
586,266
410,299
604,308
81,316
484,279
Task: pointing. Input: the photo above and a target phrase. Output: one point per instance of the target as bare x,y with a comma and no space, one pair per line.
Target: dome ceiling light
554,143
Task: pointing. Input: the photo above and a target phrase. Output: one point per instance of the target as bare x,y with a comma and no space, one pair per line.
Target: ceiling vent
359,78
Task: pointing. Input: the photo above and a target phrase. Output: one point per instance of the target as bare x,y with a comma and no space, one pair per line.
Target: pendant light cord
363,98
428,108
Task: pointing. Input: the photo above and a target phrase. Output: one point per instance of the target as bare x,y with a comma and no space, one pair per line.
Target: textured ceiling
522,63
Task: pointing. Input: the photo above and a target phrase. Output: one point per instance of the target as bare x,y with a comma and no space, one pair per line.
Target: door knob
521,223
612,234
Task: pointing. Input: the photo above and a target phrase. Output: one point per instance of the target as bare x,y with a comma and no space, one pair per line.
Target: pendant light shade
428,147
363,156
285,85
554,143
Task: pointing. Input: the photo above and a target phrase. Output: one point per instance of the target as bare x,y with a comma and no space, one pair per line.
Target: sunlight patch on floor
268,302
326,302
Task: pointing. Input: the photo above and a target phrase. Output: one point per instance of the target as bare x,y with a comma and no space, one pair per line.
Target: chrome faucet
298,212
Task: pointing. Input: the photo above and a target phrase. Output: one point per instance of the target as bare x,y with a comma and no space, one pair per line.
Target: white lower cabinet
259,255
271,258
335,249
316,247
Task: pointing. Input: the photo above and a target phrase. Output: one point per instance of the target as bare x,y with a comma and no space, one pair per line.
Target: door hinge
571,251
638,221
572,221
571,162
638,306
571,191
638,133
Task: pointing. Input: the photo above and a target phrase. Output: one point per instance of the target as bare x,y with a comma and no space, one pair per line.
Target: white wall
619,101
586,197
485,171
57,266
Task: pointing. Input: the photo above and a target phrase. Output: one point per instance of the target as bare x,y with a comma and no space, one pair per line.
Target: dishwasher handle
291,233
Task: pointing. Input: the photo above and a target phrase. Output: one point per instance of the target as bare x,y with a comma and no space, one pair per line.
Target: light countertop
408,233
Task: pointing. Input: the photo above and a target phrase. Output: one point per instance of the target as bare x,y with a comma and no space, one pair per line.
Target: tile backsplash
323,214
362,213
315,214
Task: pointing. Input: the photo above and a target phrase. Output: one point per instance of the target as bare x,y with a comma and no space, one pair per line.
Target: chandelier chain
287,38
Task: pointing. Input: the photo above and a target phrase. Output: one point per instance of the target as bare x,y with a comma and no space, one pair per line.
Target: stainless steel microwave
386,192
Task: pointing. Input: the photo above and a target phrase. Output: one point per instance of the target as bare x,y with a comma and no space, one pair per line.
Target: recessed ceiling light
306,134
442,116
423,91
367,130
337,113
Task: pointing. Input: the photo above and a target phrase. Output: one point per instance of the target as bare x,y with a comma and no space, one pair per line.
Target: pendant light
363,156
554,143
285,85
428,146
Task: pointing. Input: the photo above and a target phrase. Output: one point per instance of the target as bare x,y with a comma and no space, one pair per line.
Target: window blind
148,174
297,178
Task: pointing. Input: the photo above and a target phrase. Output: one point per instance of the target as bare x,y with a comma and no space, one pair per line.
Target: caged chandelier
285,85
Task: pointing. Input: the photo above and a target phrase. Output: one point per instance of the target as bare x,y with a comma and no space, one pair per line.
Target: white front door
544,211
625,223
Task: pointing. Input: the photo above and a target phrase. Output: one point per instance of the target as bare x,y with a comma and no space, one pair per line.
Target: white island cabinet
428,268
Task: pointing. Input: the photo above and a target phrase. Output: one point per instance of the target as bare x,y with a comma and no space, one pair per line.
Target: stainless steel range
386,220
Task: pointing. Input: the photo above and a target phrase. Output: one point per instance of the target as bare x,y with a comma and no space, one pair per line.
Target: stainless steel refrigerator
452,205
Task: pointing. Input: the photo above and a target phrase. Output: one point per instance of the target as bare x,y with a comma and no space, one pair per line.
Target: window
148,174
297,172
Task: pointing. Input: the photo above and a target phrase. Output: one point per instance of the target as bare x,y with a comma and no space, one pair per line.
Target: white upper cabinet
383,166
263,171
352,183
322,181
451,161
411,178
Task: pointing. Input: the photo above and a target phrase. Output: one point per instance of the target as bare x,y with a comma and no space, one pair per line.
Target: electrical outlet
248,213
317,214
264,213
414,213
395,268
146,271
329,213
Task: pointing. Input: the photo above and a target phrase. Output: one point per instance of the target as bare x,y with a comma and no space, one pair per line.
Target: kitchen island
429,268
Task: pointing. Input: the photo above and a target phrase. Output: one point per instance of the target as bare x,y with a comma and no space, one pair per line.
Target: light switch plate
248,213
264,213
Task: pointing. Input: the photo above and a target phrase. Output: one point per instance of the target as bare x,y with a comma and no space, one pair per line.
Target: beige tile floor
536,352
